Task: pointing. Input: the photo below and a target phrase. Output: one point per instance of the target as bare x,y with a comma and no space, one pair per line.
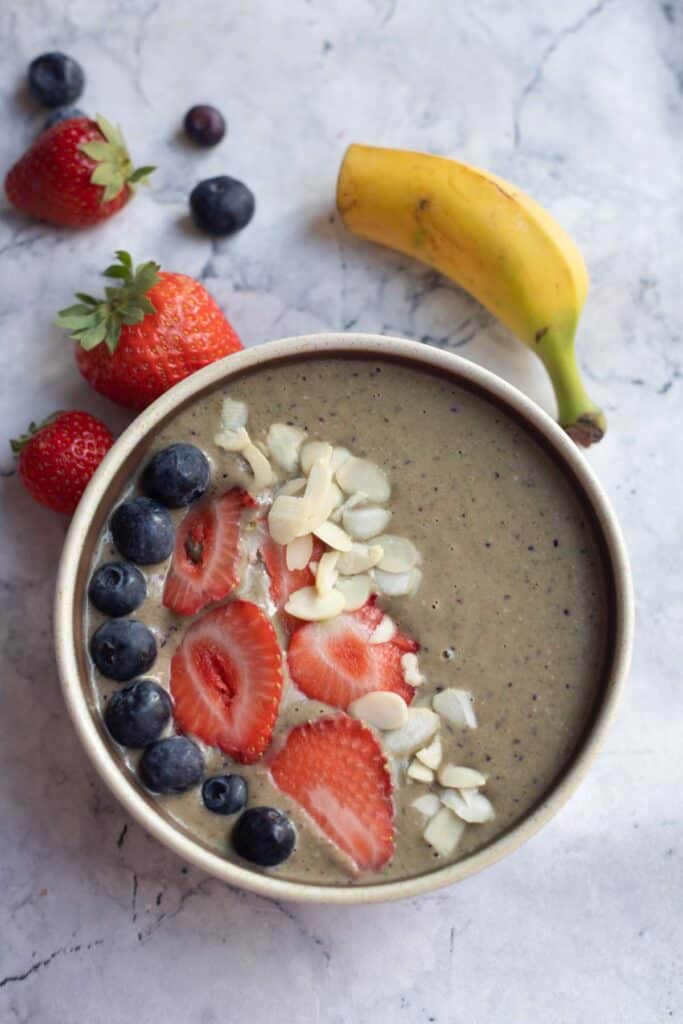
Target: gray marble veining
580,104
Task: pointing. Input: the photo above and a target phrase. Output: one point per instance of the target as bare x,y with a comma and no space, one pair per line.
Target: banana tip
587,429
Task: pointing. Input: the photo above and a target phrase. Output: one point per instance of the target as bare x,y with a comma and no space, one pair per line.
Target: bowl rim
104,758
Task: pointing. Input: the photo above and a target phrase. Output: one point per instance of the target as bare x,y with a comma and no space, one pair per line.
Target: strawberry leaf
113,168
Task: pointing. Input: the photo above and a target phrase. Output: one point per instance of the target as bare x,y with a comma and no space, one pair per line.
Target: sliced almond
355,589
381,708
327,575
397,584
431,755
317,494
365,523
362,475
334,499
232,440
428,804
399,553
420,726
443,832
411,670
299,552
359,558
260,467
469,804
332,535
456,707
295,486
312,451
233,414
419,772
339,457
353,499
287,518
284,442
384,631
311,606
455,776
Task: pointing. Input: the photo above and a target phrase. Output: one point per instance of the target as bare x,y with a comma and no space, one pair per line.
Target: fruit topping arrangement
277,594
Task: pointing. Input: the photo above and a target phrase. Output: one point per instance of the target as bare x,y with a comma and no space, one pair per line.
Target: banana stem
583,420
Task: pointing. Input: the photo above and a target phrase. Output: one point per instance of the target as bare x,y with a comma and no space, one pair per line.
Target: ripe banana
493,240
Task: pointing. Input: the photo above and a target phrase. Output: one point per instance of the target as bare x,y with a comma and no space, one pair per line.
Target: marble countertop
580,103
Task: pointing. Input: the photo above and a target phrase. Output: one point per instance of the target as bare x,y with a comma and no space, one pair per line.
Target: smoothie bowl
343,618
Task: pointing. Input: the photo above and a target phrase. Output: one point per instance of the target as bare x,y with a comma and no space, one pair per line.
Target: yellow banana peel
490,238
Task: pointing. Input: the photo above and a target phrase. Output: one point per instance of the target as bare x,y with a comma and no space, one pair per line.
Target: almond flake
397,584
316,496
284,442
400,554
312,451
420,772
355,589
299,552
326,576
365,523
443,832
411,670
232,440
456,707
359,558
383,631
455,776
469,804
233,414
332,535
295,486
353,499
287,518
431,755
311,606
381,708
428,804
420,726
260,467
362,475
339,457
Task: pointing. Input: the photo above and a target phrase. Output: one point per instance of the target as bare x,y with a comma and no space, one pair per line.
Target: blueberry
177,475
63,115
221,205
204,125
264,836
55,79
137,714
117,588
142,531
123,648
224,794
172,765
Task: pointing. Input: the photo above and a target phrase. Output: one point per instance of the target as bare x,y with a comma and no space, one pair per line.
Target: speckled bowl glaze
103,491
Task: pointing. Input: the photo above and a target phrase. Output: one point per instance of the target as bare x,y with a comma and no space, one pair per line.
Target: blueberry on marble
221,205
64,114
264,836
55,79
142,530
204,124
137,714
122,649
171,765
177,475
117,588
224,794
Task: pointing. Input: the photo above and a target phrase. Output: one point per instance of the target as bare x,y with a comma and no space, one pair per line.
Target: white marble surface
581,104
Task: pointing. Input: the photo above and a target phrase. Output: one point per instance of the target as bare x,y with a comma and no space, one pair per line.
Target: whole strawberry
58,457
75,174
153,330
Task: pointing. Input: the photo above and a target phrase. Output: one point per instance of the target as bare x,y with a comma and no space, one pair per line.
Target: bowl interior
105,489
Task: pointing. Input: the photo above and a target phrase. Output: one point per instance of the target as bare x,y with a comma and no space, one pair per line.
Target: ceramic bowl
102,493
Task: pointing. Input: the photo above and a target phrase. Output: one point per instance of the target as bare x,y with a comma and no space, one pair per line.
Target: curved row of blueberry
123,648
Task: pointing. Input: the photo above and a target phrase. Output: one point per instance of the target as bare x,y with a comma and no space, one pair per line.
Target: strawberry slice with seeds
284,581
335,662
335,769
205,564
226,680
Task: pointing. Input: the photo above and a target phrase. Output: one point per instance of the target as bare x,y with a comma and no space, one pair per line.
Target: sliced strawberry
335,662
207,553
284,581
336,770
226,680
